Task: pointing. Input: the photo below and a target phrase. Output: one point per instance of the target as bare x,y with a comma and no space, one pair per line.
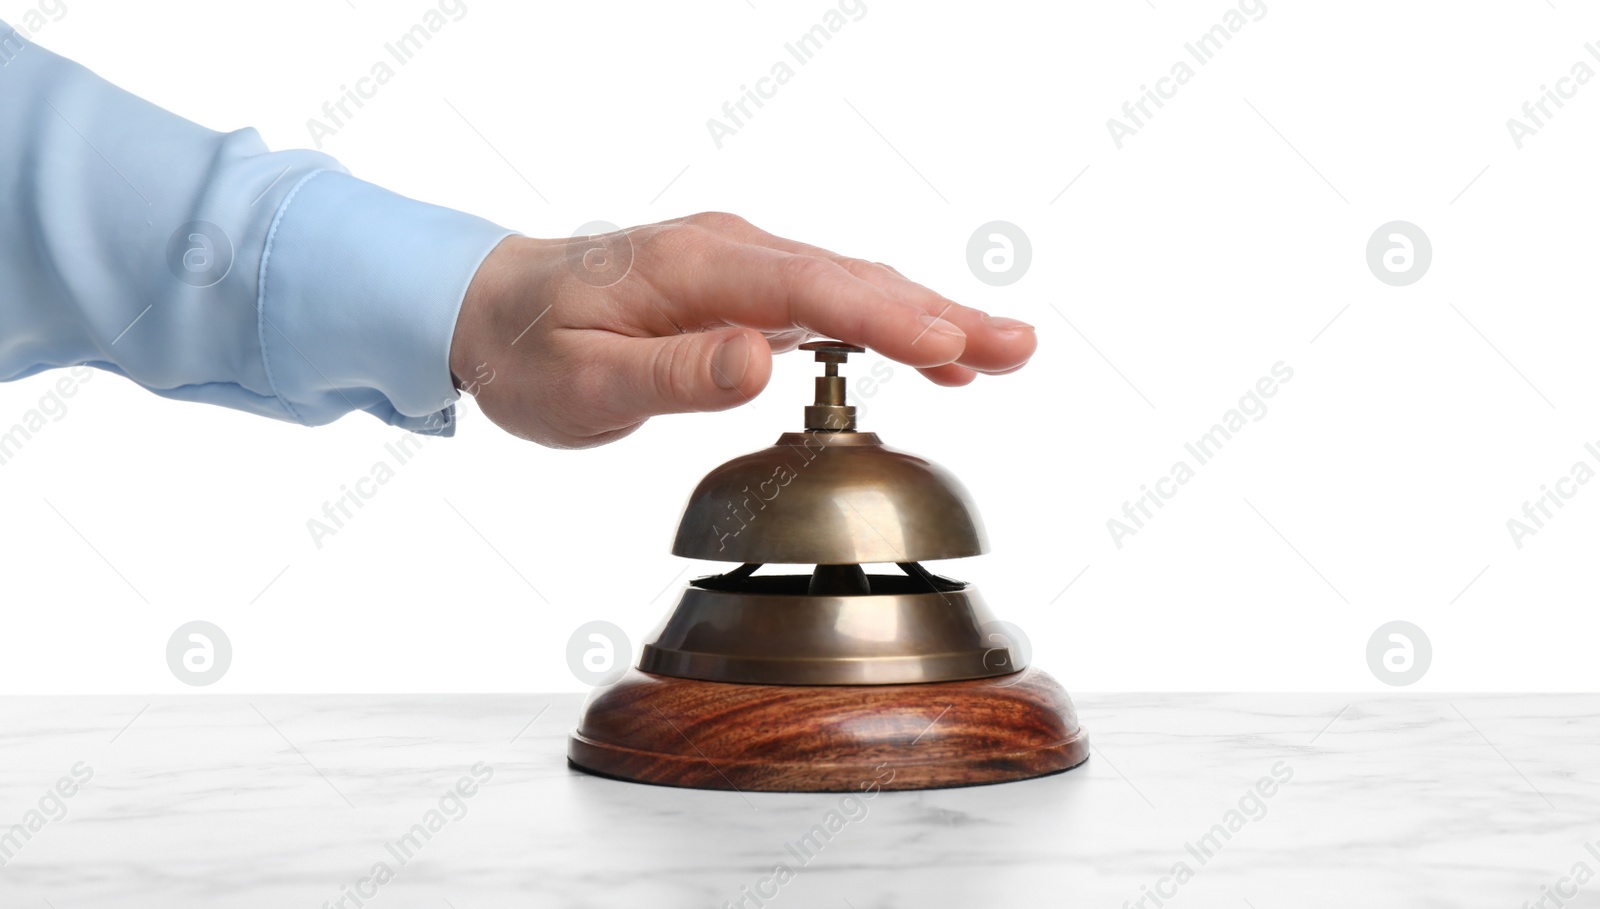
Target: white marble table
284,801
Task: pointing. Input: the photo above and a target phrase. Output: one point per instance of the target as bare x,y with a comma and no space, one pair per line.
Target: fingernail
939,326
1001,323
730,361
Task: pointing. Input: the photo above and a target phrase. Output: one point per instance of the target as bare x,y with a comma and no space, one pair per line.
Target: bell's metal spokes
934,581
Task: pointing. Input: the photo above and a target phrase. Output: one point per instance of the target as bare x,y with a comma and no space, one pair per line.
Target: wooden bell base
828,738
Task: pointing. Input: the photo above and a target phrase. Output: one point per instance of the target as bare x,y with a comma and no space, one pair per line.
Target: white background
1224,237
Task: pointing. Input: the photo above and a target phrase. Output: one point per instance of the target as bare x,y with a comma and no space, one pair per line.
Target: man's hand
691,326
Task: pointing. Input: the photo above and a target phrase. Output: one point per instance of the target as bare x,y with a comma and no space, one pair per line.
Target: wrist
496,300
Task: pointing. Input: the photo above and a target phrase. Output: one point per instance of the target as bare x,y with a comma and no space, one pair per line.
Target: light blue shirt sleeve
206,268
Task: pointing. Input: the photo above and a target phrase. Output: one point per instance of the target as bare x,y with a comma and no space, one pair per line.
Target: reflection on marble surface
466,802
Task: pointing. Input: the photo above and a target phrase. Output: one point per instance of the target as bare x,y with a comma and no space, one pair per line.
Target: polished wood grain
834,738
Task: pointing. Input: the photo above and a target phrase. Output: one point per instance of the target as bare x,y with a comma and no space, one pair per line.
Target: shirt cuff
359,292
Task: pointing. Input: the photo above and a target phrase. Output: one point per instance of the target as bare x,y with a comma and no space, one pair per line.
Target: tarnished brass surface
829,411
830,498
777,638
837,499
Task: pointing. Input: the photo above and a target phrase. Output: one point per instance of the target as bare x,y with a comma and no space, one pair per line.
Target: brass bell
837,679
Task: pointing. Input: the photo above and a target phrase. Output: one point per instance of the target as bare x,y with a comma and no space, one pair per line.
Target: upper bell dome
829,496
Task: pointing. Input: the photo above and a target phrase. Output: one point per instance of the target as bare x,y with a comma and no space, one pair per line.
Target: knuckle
858,266
674,371
799,270
718,220
681,241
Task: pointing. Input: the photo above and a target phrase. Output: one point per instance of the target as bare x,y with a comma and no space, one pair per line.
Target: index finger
707,278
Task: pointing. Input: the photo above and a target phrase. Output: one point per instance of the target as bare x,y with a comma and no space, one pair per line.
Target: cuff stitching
261,295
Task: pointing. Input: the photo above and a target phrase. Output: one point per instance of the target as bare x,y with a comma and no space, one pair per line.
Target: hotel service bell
829,678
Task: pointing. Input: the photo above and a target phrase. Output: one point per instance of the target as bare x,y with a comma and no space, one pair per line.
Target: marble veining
284,801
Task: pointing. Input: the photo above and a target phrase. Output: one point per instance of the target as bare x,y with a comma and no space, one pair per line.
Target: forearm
206,268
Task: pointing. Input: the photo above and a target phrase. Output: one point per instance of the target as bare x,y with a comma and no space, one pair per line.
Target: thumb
700,371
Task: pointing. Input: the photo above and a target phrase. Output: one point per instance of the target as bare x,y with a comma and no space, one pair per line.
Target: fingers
949,375
711,279
785,341
634,379
994,345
